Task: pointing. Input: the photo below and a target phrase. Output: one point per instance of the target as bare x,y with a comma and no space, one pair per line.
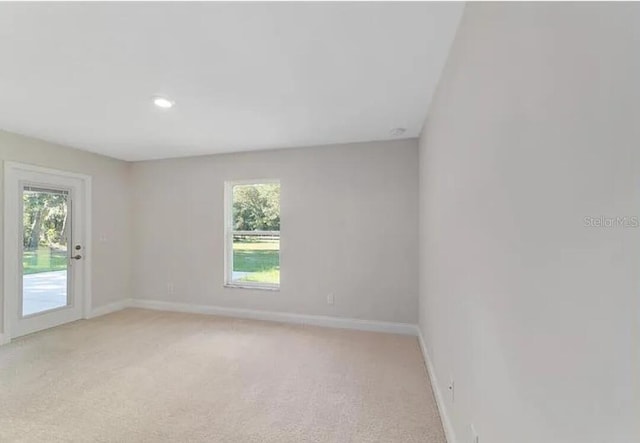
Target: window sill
246,286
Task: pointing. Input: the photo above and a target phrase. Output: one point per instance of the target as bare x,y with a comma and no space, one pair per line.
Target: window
252,234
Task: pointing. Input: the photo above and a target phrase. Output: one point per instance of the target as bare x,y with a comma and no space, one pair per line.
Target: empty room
323,222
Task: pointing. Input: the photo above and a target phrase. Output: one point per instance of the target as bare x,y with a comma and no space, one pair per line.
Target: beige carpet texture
150,376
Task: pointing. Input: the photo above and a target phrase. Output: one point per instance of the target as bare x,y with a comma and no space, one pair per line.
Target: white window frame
229,233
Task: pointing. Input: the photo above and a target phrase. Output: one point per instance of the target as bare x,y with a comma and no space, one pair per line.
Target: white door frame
11,252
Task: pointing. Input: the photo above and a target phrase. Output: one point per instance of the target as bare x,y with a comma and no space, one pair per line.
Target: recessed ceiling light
397,131
163,102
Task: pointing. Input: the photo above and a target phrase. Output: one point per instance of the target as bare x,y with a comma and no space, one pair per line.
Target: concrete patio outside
43,291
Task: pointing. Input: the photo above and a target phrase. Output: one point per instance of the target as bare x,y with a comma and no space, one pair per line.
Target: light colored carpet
145,376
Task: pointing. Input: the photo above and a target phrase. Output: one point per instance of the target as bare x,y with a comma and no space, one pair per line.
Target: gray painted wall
535,316
349,223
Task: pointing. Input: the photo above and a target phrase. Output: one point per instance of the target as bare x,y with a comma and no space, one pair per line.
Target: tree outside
45,219
256,207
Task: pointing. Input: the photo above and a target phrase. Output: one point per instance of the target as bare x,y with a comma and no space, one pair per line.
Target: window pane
256,207
44,249
256,258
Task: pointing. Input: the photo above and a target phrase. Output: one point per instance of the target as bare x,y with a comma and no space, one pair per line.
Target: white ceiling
244,76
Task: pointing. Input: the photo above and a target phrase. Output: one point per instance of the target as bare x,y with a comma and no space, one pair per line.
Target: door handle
76,257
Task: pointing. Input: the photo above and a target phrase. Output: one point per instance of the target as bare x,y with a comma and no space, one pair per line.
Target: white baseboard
111,307
444,416
282,317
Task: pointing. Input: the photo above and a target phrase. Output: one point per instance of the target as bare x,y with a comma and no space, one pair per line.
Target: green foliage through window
256,207
45,223
45,218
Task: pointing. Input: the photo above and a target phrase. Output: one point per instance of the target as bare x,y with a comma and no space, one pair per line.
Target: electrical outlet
171,289
452,390
330,298
474,435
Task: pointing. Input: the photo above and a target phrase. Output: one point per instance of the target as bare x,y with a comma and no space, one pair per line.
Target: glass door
46,279
46,220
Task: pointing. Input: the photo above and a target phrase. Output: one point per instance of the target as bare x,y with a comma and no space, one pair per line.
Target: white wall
535,125
111,209
349,224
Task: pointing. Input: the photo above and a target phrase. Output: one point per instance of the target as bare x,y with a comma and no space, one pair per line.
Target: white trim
253,181
43,170
228,222
280,317
257,233
109,308
88,251
444,416
244,285
10,167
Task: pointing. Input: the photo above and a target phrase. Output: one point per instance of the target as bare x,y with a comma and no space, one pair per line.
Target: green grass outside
43,260
260,257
